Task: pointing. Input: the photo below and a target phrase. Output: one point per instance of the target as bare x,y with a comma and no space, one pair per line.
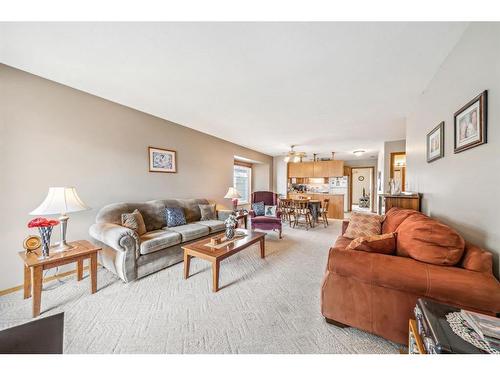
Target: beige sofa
131,257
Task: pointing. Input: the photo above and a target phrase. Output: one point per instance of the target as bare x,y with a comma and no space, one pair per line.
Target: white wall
461,189
53,135
279,175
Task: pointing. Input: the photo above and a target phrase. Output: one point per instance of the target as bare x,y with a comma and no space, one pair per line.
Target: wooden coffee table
200,250
34,267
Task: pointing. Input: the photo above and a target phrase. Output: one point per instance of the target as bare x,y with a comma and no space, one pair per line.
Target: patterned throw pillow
207,212
174,216
270,211
259,208
382,244
134,221
363,225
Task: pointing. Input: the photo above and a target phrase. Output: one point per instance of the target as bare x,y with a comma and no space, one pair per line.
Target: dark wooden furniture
431,333
34,267
412,201
301,209
215,256
41,336
242,216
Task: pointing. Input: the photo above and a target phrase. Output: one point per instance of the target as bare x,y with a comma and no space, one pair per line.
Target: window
242,181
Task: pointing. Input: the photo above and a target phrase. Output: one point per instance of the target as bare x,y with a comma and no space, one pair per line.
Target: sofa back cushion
152,213
394,217
191,207
427,240
477,259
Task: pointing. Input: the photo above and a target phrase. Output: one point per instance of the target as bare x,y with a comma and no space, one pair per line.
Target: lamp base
61,247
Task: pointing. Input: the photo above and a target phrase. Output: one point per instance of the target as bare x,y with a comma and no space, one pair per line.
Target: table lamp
61,200
233,194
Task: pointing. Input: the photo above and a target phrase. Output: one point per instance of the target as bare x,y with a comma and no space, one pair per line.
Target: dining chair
323,213
287,210
301,209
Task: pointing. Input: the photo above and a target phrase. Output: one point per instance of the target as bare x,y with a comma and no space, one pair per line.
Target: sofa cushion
477,259
382,244
213,225
190,231
174,216
158,240
394,217
266,219
152,213
207,212
134,221
363,225
427,240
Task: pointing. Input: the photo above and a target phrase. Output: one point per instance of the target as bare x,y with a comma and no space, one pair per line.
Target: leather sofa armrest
345,223
115,236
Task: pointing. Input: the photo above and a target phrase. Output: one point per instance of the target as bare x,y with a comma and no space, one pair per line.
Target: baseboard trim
46,279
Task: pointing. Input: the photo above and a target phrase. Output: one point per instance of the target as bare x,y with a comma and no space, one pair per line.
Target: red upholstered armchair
266,222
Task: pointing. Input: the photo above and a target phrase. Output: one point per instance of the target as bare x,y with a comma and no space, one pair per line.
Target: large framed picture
470,123
161,160
435,143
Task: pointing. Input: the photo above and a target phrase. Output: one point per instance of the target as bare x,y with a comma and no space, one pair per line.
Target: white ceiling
322,86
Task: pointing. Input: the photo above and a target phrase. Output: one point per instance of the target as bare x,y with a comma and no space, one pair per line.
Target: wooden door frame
372,194
393,154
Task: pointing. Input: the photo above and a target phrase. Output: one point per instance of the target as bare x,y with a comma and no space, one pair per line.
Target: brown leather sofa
377,293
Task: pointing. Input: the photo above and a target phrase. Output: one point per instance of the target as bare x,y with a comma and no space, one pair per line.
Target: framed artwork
161,160
435,143
470,124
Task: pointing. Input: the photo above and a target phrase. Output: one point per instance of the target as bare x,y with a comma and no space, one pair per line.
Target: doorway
398,168
362,189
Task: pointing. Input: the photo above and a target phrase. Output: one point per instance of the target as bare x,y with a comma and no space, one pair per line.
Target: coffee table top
231,248
82,247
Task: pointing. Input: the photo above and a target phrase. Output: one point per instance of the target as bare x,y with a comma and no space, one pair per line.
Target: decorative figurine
230,226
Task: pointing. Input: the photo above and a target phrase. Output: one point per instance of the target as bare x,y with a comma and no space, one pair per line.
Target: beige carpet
269,305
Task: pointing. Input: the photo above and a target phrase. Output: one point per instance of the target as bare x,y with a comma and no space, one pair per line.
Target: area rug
269,305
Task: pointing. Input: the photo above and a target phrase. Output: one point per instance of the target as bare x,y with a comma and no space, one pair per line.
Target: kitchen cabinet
305,169
330,168
335,168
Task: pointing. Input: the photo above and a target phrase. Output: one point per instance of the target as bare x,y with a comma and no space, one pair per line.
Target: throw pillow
174,216
270,211
381,243
207,212
259,208
134,221
363,225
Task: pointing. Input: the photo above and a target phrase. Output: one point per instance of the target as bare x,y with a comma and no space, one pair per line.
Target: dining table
314,206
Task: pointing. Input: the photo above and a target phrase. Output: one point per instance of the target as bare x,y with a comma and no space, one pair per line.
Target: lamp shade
60,200
232,193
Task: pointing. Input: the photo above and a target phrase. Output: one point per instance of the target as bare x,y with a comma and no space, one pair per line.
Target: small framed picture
435,143
161,160
470,123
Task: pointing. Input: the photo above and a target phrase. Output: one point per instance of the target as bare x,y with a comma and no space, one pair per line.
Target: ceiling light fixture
294,156
358,153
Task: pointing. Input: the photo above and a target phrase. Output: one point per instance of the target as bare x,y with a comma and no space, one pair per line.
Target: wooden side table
34,267
244,217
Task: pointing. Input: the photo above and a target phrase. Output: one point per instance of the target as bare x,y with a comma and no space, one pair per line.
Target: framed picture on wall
435,143
470,123
161,160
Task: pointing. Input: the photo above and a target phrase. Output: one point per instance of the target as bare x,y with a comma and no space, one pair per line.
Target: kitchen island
336,207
